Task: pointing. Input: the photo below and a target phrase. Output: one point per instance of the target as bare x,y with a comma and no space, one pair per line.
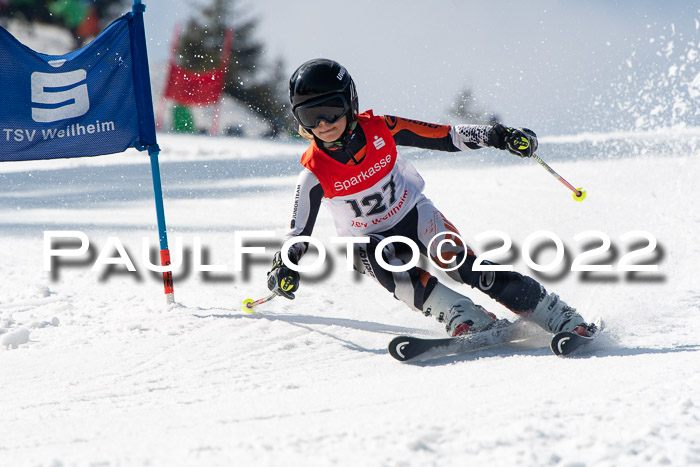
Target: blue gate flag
93,101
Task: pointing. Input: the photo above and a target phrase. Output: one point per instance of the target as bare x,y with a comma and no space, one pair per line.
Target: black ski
563,343
404,348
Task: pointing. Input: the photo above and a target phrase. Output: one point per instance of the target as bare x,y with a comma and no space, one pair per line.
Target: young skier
353,167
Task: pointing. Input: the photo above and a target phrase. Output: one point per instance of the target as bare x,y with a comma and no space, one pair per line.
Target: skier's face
329,132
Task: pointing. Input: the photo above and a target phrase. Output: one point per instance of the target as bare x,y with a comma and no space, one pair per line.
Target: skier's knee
513,290
365,261
410,286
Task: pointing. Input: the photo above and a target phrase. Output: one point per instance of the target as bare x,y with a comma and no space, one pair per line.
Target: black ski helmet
322,77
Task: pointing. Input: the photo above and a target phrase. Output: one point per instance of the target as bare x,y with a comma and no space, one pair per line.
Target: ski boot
554,315
459,313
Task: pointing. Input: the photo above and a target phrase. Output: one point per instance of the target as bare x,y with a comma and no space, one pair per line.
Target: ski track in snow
96,370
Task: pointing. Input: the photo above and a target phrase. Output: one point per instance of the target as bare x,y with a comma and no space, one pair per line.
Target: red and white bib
373,195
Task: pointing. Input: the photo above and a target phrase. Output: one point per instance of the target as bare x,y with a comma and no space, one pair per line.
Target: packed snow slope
95,369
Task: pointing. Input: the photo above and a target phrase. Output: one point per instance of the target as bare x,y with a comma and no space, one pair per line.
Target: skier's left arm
519,141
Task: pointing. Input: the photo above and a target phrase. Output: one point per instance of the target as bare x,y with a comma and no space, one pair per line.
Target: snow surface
95,369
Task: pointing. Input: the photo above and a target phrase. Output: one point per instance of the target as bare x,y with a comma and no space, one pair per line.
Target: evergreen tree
249,80
465,109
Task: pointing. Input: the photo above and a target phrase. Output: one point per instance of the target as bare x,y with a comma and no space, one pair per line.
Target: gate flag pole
162,230
153,152
90,102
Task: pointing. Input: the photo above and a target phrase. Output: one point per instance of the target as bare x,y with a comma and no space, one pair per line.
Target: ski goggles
328,108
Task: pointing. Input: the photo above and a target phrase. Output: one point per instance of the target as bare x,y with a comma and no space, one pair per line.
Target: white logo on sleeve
67,94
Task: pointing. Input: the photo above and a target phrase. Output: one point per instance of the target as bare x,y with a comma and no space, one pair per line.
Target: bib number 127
374,202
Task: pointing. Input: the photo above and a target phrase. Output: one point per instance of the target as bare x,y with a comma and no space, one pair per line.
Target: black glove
282,280
519,141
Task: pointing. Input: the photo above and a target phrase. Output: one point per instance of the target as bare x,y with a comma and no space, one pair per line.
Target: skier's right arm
307,202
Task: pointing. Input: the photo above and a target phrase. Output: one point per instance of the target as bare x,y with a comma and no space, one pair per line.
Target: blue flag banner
93,101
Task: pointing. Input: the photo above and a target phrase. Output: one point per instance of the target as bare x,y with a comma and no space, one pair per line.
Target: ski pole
249,304
579,193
